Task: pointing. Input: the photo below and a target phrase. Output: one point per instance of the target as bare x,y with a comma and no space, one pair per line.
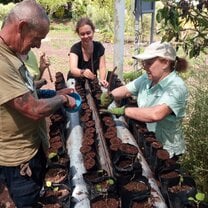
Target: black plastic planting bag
94,176
135,190
128,149
102,186
179,190
109,200
57,193
166,174
141,201
125,168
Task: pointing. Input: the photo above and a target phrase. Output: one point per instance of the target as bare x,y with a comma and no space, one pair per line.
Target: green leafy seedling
48,184
99,188
102,189
199,197
181,179
110,181
52,155
55,188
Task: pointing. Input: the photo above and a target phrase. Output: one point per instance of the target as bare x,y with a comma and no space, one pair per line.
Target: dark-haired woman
87,57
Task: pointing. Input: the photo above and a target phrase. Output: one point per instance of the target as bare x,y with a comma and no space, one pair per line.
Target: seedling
53,157
180,180
102,188
199,197
50,185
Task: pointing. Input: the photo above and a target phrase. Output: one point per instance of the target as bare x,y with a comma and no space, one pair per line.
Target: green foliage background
5,9
196,127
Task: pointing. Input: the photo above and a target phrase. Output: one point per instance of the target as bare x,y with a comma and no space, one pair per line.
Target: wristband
46,93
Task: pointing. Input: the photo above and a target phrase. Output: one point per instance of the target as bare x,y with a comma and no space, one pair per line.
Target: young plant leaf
48,183
200,196
191,199
110,181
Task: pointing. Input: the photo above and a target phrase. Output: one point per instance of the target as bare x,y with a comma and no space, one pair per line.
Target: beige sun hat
158,49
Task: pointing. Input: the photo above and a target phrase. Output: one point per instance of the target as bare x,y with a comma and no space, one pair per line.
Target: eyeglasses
149,62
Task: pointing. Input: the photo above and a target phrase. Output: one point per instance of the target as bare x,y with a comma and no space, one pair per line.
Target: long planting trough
80,195
97,160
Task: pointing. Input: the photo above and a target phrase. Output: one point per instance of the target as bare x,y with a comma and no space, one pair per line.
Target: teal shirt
172,92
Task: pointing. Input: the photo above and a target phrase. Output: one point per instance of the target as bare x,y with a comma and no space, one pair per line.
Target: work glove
106,99
118,111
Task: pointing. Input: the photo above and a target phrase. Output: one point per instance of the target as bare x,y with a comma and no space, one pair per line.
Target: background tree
9,1
185,22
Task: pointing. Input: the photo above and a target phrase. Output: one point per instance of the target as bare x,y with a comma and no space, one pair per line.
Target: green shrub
129,76
4,9
102,20
79,9
55,7
196,129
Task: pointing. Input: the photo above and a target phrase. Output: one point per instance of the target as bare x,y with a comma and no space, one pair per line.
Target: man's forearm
37,108
50,105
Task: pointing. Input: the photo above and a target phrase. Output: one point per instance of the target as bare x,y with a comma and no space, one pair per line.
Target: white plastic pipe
124,134
75,133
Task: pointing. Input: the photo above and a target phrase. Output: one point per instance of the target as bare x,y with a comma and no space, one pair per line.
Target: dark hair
180,64
84,21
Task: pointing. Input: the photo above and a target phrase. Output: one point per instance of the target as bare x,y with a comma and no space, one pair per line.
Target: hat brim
144,56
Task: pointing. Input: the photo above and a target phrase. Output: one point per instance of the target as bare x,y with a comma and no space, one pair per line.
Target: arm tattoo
51,105
36,108
22,100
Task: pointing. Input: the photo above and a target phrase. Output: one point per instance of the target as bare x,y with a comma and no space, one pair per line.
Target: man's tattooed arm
38,108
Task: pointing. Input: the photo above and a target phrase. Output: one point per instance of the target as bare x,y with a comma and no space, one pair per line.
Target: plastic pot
94,176
57,194
126,168
162,155
128,149
110,201
56,174
147,147
179,192
102,187
135,190
141,202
